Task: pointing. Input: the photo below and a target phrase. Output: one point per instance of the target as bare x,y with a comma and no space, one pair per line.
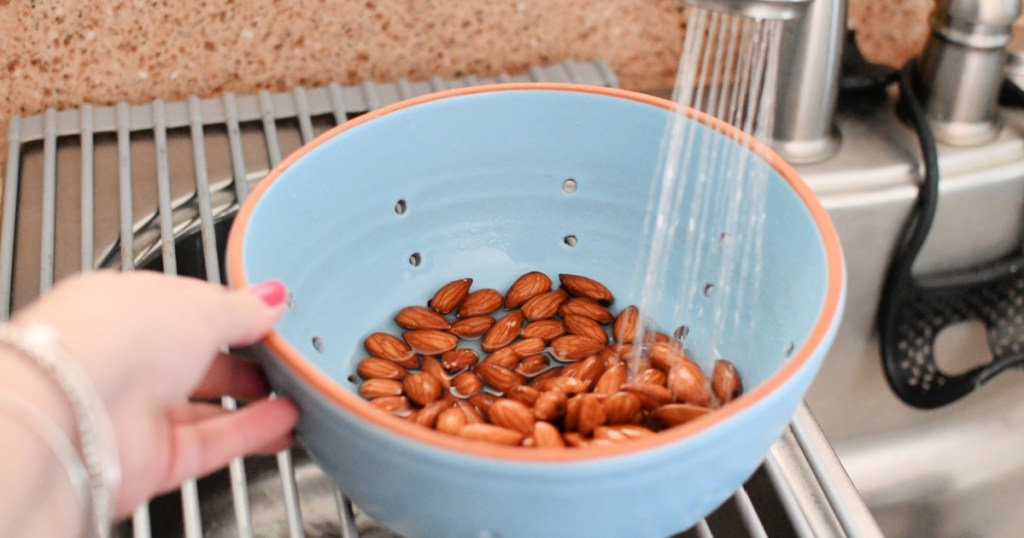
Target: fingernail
271,292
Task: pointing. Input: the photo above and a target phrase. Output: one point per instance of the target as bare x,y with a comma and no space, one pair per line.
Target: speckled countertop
62,53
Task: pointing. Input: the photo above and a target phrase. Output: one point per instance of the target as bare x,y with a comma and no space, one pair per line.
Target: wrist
44,491
38,345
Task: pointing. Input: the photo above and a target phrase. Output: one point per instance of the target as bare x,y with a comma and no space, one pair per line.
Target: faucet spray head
756,9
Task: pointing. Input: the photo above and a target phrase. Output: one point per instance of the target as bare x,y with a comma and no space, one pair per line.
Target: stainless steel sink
956,470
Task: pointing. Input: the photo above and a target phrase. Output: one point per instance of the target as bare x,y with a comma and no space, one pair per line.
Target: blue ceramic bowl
479,173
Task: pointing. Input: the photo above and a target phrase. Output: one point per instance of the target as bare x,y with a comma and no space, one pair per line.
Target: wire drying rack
154,186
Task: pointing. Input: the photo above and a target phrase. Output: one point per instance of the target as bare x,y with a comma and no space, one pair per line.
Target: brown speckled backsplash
62,53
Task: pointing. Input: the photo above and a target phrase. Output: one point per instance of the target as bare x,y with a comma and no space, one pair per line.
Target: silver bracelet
36,422
96,440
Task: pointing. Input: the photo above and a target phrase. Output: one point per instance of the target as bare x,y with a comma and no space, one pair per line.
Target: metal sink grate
155,186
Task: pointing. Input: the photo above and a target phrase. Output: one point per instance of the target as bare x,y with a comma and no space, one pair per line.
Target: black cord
916,229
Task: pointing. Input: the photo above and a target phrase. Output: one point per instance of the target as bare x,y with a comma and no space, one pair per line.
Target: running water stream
707,200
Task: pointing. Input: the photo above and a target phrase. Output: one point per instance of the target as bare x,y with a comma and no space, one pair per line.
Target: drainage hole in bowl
569,240
352,379
415,260
681,332
569,186
318,344
290,302
789,350
400,207
709,289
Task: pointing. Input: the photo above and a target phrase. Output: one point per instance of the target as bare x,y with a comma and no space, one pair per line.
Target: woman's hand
149,342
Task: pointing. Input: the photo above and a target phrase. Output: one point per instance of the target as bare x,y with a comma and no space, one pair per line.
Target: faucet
808,82
962,68
960,72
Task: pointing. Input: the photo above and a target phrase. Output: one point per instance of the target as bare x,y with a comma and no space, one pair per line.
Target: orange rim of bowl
361,408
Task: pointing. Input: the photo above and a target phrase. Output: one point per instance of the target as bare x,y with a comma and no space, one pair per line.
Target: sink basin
956,470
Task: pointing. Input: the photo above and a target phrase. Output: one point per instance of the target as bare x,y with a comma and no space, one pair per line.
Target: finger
233,376
238,318
200,448
192,412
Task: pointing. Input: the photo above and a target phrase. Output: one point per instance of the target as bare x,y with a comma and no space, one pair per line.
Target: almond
572,413
624,328
687,387
591,415
421,317
451,295
546,329
621,407
584,326
725,381
544,305
678,413
374,367
524,394
573,347
609,357
378,388
429,342
491,434
450,421
467,384
479,303
389,347
651,396
532,365
433,367
658,337
503,331
575,440
504,357
546,374
589,370
528,346
511,414
581,286
483,401
566,384
545,435
612,379
458,359
550,405
525,287
501,379
653,376
666,355
622,350
427,417
470,411
396,405
422,388
472,327
588,308
622,432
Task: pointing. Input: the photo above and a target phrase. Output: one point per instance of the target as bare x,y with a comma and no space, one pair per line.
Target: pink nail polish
271,292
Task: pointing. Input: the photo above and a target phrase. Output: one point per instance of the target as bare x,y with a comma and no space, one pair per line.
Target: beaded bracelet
39,424
97,444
